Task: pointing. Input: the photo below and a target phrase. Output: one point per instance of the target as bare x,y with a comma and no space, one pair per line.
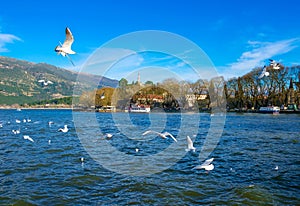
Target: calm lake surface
256,159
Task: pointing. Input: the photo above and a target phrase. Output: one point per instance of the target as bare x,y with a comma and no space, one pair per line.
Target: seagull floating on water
190,144
65,48
163,135
64,130
82,161
263,73
17,131
108,136
28,138
18,121
206,165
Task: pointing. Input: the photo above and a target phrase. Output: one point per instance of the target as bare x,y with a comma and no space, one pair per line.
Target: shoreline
91,110
41,108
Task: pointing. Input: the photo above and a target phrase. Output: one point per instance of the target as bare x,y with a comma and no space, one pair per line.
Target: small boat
269,109
138,109
107,109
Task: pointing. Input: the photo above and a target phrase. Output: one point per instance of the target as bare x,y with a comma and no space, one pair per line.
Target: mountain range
24,82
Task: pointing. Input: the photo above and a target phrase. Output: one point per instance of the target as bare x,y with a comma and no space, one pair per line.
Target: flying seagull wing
169,134
263,72
147,132
69,39
207,162
189,142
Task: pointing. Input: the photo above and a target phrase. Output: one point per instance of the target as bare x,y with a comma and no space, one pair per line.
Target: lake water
134,169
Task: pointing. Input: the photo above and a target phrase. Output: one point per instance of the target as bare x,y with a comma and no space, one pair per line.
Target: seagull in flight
102,96
44,82
28,138
274,65
65,48
163,135
190,144
263,73
206,165
64,130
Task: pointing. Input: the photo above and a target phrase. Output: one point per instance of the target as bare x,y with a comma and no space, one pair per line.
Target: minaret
139,79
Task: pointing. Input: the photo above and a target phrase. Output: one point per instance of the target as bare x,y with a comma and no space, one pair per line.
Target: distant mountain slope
19,81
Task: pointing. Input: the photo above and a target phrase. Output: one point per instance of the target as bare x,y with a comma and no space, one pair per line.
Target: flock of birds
273,64
65,129
206,165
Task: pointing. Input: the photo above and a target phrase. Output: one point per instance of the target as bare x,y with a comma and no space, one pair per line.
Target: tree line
245,92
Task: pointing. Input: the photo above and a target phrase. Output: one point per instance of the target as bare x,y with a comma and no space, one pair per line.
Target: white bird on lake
18,121
28,138
17,131
263,73
163,135
276,168
108,136
190,144
206,165
64,130
65,48
82,161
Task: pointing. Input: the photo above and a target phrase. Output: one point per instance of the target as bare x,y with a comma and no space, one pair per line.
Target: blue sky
237,36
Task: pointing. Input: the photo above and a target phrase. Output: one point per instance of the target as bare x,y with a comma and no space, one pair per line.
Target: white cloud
111,62
6,39
260,51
